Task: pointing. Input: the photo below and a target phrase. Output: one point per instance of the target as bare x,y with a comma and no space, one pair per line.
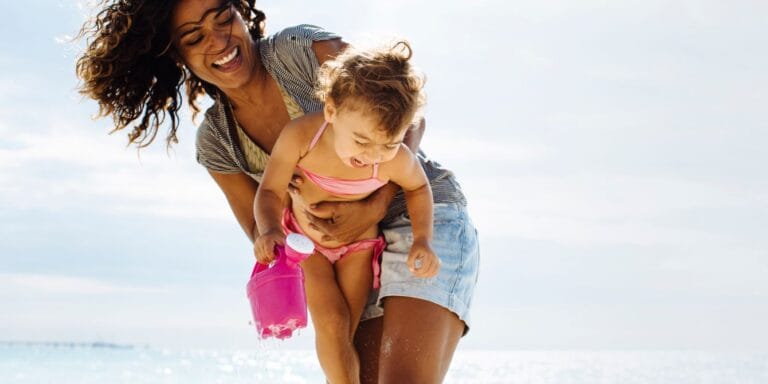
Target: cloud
61,165
501,152
601,209
49,284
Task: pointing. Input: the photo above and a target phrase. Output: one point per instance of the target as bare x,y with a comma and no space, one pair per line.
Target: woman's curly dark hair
127,67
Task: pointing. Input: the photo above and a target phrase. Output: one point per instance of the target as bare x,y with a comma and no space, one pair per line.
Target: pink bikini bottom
290,225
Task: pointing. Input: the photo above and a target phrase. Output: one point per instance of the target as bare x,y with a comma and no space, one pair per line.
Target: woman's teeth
226,59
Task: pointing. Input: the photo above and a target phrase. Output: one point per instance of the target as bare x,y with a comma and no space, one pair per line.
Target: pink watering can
276,293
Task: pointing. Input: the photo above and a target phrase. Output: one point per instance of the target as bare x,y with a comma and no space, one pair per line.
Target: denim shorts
454,240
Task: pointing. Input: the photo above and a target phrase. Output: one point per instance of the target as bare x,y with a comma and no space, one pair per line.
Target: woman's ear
174,55
171,52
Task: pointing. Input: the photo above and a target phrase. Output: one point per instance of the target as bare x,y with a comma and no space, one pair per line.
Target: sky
610,151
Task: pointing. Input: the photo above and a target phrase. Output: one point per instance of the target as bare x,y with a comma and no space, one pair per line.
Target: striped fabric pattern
289,58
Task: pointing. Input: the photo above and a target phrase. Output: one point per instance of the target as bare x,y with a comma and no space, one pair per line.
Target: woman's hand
422,261
264,246
344,221
294,189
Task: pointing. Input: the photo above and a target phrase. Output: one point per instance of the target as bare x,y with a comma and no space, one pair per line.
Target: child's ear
329,111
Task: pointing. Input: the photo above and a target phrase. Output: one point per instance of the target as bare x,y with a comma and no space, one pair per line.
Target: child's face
358,140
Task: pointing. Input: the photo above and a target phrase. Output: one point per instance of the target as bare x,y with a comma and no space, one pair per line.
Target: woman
141,52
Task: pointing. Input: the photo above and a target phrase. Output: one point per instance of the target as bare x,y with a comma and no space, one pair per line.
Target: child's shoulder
404,154
303,129
402,159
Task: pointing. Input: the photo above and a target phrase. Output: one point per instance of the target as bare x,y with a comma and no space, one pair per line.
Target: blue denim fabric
456,244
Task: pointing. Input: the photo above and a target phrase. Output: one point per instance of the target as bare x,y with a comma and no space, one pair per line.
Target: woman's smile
229,62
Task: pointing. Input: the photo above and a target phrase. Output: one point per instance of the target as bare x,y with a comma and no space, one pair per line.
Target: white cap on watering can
299,243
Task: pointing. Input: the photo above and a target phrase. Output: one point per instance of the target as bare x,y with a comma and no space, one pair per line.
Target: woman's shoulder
214,120
213,144
299,35
288,52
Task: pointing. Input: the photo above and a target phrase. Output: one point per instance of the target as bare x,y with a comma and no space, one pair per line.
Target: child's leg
331,320
354,275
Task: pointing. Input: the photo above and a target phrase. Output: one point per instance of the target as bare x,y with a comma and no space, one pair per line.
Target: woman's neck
252,92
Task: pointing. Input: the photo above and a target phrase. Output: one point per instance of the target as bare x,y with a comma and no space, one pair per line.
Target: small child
354,147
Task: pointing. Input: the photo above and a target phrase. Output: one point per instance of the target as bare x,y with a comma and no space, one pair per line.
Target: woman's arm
328,49
240,190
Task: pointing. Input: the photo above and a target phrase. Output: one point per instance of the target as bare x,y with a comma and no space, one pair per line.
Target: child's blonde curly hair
380,81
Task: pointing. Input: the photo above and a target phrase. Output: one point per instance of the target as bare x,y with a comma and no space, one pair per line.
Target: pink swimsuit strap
290,225
336,186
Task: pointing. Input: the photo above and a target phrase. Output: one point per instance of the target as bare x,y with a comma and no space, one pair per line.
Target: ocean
103,363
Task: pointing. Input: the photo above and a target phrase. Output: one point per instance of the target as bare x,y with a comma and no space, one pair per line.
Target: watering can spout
297,248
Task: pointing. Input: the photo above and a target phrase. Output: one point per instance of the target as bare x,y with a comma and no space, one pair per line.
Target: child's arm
271,197
409,175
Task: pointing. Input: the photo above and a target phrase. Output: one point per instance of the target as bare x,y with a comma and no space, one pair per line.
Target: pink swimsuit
341,187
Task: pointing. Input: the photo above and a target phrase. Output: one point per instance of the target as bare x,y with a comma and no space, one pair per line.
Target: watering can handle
279,258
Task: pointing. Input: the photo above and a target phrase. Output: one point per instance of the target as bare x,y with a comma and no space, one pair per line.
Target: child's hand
264,246
422,261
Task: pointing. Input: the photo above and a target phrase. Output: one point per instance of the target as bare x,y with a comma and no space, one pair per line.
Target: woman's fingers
335,227
297,181
316,223
343,221
294,187
323,208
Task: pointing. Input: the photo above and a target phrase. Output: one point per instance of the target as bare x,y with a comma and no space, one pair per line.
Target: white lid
300,243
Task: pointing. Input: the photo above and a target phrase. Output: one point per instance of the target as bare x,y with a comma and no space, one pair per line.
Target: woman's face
213,41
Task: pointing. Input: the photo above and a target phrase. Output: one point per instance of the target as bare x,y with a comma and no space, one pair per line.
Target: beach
83,364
